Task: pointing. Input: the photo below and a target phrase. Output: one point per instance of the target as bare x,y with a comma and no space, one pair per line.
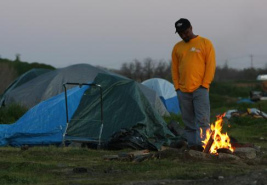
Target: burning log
209,143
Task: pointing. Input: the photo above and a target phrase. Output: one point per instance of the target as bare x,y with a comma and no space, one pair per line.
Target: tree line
10,70
146,69
149,68
136,70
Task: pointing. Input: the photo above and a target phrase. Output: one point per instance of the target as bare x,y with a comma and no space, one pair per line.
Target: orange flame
220,140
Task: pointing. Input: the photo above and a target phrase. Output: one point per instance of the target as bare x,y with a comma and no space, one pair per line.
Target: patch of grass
248,129
218,101
233,88
174,117
30,168
16,179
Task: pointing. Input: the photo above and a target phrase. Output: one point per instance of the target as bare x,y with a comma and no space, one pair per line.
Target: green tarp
124,107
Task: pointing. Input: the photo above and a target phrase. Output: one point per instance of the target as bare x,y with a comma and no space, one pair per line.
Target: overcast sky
111,32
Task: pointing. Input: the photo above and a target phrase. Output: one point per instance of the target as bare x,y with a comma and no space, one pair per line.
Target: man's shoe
179,144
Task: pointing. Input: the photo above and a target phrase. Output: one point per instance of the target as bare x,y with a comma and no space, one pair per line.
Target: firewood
210,142
141,158
139,152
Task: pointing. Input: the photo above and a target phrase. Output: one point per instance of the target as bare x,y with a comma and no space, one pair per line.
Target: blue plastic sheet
44,124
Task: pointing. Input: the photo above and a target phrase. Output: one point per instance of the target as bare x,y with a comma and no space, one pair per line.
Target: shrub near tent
166,92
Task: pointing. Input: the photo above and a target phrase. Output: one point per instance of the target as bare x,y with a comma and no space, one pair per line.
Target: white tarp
262,77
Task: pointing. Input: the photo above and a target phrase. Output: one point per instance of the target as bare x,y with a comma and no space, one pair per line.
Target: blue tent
166,92
43,124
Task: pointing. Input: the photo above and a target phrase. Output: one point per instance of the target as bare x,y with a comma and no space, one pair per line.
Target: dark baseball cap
182,24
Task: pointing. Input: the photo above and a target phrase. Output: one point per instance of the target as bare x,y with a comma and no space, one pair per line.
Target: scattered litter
135,156
245,100
256,113
229,113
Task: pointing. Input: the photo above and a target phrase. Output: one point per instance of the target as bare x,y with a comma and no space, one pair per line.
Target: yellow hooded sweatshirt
193,64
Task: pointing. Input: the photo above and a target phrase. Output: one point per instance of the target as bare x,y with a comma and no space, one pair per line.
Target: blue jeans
195,110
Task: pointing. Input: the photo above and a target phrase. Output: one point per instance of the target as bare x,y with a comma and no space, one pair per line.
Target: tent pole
67,114
101,107
102,124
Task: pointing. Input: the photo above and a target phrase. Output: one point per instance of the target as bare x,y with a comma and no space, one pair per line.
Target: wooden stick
210,142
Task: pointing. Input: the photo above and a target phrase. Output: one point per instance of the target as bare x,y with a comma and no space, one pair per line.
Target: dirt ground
258,177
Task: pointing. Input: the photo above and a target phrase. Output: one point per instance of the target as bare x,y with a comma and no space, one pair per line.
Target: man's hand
203,87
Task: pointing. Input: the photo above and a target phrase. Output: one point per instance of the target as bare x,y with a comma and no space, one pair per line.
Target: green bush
234,88
11,113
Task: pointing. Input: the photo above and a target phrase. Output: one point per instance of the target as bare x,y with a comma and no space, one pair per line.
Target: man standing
193,68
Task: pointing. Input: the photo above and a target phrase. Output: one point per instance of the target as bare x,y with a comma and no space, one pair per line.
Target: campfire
215,139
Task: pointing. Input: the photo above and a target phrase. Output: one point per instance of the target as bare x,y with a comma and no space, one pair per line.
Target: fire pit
216,140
